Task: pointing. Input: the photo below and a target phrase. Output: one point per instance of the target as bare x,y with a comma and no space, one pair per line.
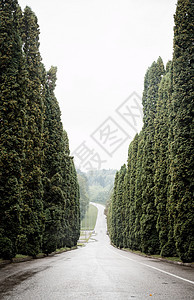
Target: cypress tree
149,235
13,122
120,208
32,214
163,137
170,247
61,191
53,128
127,201
182,148
71,193
113,209
161,155
31,128
108,210
54,199
125,208
133,243
164,165
138,192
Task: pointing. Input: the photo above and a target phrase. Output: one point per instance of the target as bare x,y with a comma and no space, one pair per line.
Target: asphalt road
96,271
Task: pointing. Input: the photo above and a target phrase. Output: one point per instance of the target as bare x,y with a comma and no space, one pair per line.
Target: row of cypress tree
151,207
39,193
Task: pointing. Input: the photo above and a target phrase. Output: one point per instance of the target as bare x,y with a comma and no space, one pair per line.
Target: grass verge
89,222
170,259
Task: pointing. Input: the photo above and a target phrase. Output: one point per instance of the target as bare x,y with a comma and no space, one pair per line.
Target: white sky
102,49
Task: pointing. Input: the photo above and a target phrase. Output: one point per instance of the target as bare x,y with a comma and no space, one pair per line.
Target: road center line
162,271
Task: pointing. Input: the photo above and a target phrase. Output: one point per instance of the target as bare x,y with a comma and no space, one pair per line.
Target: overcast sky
102,49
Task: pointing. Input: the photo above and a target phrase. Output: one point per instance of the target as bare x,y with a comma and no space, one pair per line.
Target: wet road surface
97,271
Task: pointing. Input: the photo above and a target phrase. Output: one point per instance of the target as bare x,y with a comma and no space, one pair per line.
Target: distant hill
100,184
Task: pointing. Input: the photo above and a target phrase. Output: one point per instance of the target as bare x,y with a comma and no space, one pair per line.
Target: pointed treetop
52,77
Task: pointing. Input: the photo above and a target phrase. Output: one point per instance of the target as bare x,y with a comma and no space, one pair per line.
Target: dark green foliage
52,229
12,124
149,235
158,185
54,142
72,208
32,216
182,147
137,208
6,248
61,192
138,192
120,208
132,213
53,217
161,162
39,204
112,211
127,202
117,210
169,247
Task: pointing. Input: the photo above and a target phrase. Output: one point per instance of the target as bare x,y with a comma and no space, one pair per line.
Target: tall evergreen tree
133,212
127,201
161,160
163,206
38,181
54,199
71,193
53,128
120,208
32,215
13,123
149,235
61,192
109,215
112,211
138,192
170,247
182,148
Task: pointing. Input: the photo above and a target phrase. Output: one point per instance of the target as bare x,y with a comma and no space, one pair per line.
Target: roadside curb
180,263
191,265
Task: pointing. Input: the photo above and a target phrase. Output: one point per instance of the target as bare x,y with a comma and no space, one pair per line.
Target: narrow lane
97,271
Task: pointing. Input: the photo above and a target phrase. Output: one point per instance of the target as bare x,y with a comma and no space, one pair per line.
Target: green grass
89,222
65,249
21,256
62,249
173,258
